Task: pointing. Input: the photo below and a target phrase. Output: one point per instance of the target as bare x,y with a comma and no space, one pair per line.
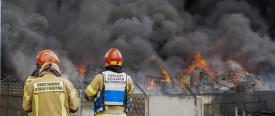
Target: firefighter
42,57
110,90
50,95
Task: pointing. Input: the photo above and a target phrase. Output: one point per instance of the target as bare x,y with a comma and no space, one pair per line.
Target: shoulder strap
125,96
103,90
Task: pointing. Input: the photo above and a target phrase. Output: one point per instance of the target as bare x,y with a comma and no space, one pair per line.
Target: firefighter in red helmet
114,84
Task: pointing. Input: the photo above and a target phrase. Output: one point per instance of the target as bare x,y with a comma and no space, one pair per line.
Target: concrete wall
171,106
230,104
205,105
211,105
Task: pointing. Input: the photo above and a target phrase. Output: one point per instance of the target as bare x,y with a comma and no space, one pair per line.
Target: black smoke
168,32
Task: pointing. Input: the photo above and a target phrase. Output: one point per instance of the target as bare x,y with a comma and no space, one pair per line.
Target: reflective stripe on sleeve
26,89
27,97
62,100
90,90
73,93
36,104
110,115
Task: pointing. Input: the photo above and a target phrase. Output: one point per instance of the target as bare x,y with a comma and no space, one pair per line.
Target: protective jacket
26,83
114,86
29,79
50,95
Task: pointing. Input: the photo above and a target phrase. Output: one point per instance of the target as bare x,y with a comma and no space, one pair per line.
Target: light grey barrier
221,104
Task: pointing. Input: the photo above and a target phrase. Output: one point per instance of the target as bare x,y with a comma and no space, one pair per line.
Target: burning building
171,47
200,78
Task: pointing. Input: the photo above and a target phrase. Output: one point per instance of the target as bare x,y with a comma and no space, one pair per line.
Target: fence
11,100
223,104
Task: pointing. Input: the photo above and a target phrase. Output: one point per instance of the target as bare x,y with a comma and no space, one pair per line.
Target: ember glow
155,82
82,70
199,62
165,74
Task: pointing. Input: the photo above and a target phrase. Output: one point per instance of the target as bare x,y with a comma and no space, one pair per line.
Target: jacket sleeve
130,85
26,83
27,97
72,97
93,87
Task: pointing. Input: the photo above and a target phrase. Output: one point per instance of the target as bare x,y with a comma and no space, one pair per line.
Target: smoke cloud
146,31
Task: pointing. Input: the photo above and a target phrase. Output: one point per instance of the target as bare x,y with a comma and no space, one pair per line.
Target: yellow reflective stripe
62,99
36,104
106,108
27,97
26,88
116,63
91,90
110,115
113,62
73,93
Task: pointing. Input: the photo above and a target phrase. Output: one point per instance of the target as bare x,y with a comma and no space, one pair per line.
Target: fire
199,62
156,81
82,70
165,74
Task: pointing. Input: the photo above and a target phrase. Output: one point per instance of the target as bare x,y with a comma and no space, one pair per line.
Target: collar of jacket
117,69
47,74
35,73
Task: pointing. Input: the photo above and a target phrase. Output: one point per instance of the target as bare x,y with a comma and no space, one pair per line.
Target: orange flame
200,62
82,70
165,74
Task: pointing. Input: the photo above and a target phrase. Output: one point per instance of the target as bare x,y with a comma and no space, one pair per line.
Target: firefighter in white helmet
42,57
50,95
110,90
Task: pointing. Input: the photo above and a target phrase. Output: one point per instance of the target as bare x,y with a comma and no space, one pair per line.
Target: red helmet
113,57
47,56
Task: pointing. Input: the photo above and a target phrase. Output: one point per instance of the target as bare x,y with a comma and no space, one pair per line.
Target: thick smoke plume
148,32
